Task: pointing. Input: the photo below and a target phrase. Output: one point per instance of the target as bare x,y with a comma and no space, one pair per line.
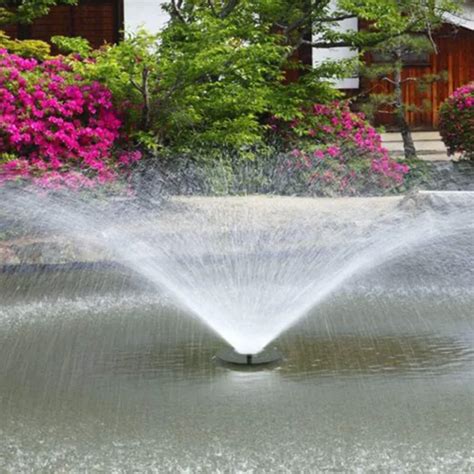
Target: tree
298,20
216,73
391,58
223,67
25,11
212,77
411,38
394,28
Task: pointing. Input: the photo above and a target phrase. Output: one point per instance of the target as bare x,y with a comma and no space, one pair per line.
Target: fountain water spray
248,267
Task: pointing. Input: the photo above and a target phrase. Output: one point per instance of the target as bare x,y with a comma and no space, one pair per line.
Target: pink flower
346,153
63,129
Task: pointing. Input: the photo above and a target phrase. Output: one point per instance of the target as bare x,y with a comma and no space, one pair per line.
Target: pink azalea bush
337,151
456,122
56,129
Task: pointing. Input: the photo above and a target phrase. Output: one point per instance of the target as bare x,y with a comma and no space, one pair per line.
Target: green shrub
25,48
72,44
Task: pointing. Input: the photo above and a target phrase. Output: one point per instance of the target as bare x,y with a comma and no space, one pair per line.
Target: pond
99,372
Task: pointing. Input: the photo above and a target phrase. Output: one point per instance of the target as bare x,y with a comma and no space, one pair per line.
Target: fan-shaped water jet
251,267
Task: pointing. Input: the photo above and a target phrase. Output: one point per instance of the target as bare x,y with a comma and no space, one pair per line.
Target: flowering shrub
56,130
337,152
456,122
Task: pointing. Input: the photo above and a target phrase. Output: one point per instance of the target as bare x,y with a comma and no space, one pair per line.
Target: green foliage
130,70
25,48
74,44
25,11
394,18
206,83
226,74
216,73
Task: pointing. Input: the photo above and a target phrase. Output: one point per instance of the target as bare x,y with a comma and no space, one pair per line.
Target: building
455,56
99,21
103,21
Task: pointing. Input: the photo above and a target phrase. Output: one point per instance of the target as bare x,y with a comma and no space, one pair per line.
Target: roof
465,18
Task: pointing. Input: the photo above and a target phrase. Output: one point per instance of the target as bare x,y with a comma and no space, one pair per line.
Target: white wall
324,54
144,13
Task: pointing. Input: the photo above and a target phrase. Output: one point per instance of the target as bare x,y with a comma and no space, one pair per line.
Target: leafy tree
223,68
25,11
216,73
210,82
207,34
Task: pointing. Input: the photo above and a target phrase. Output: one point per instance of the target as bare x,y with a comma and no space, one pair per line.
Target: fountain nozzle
266,357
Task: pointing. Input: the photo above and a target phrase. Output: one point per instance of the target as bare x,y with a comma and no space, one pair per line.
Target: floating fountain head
266,357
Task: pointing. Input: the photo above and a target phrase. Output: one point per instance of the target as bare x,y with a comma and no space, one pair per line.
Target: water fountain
383,287
247,267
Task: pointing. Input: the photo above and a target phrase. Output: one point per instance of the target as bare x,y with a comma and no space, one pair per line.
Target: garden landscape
226,242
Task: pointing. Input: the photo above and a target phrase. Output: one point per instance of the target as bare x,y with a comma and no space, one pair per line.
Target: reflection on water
427,355
129,384
305,357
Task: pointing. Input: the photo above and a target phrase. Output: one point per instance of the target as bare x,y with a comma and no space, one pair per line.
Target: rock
439,201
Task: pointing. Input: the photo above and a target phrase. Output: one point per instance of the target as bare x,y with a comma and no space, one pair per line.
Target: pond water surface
104,375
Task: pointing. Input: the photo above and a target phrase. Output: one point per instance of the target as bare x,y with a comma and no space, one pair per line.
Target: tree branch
212,7
228,9
176,10
333,19
429,33
293,26
368,43
324,44
410,79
